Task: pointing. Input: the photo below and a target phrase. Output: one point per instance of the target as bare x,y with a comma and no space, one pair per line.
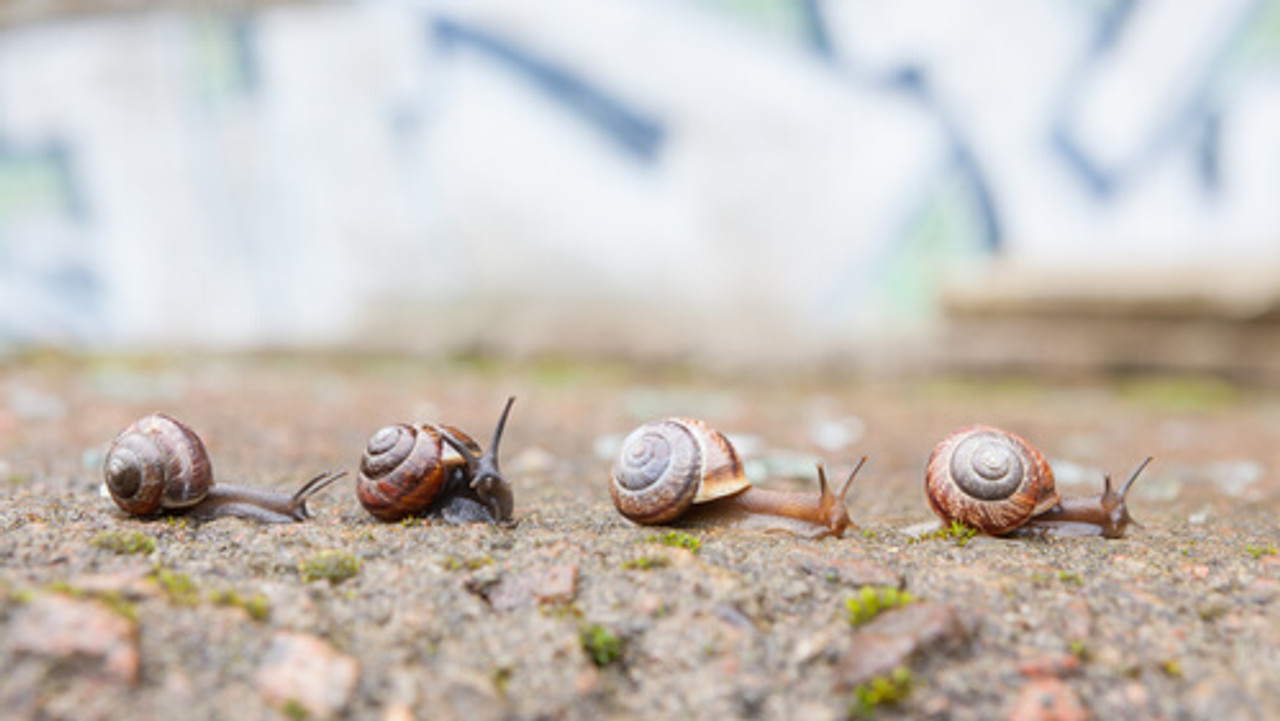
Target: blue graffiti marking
1195,123
913,82
55,181
634,131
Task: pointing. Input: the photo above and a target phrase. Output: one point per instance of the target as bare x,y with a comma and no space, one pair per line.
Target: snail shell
157,464
405,466
990,479
668,465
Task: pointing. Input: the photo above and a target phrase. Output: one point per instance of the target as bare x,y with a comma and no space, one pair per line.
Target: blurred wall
742,178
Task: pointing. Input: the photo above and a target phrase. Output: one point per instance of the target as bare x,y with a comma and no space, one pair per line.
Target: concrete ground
576,613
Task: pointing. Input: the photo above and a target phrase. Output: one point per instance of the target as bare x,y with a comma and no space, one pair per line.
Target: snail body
158,466
997,482
683,469
434,471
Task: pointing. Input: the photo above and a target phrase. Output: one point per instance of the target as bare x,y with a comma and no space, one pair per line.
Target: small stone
545,584
68,629
532,461
1220,698
1235,477
31,404
397,712
1048,699
919,530
1050,665
854,572
833,435
818,644
134,583
893,637
1136,695
305,670
1262,590
465,695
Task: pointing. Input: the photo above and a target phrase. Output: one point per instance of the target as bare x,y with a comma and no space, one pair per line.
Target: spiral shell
665,466
157,464
404,467
990,479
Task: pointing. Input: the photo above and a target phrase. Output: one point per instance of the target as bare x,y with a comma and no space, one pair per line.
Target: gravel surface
576,613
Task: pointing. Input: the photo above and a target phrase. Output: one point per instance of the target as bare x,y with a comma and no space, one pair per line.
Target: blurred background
1058,185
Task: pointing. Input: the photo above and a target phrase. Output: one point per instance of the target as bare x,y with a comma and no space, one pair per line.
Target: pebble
894,636
464,695
29,404
66,629
532,461
1048,699
1220,698
544,584
133,583
855,572
1050,665
397,712
1068,473
833,435
306,670
1235,477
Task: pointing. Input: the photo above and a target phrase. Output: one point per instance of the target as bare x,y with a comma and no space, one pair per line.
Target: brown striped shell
668,465
989,479
404,466
157,464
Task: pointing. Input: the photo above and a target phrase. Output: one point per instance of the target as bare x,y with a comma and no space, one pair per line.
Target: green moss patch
332,566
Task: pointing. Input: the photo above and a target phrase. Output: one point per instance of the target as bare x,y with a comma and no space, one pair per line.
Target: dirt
577,613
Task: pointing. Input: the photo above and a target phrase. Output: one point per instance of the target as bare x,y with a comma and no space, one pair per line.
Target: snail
434,471
682,468
996,482
160,466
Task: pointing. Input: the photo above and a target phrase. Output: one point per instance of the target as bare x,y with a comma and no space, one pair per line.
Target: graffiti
633,130
855,152
1194,122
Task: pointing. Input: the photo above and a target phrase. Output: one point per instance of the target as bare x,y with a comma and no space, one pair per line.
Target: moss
257,605
113,600
1070,578
868,534
1181,393
871,601
1260,551
121,605
501,679
676,539
880,691
474,563
568,609
293,709
956,531
332,566
125,543
1172,668
601,645
646,563
177,586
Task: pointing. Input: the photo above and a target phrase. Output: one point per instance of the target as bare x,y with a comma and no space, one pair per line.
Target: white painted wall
318,174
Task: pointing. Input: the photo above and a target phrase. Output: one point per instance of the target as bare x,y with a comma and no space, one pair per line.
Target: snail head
1113,503
486,477
835,515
